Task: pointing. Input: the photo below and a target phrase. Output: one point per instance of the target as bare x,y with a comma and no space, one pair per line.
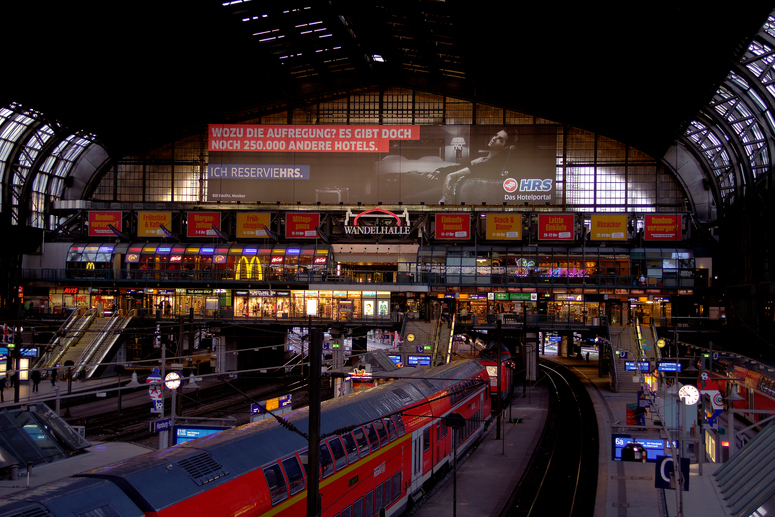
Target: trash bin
595,322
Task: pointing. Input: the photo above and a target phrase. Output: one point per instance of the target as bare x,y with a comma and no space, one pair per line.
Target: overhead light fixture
377,58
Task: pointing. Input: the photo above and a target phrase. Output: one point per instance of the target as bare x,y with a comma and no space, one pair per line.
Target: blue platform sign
157,426
664,468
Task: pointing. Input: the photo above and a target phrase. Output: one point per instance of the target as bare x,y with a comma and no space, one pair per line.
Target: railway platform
625,489
485,477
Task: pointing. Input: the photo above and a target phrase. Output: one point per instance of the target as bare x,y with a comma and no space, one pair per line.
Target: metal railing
439,276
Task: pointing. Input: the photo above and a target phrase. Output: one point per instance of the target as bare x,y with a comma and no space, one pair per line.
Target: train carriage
377,449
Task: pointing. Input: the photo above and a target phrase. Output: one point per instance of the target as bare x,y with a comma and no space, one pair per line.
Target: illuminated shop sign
377,221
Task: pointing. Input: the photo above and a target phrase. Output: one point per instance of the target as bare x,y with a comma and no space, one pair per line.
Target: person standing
35,377
2,388
54,372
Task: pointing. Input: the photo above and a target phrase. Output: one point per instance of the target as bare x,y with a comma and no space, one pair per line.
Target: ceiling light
378,58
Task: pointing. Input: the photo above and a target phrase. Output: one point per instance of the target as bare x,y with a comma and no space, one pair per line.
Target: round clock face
689,394
172,381
410,337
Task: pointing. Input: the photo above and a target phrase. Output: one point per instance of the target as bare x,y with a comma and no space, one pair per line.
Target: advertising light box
100,223
662,227
556,227
334,164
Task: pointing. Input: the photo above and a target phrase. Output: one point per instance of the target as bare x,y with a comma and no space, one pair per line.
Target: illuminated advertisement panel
556,226
662,227
504,226
99,221
607,227
251,224
301,226
371,164
200,224
453,226
149,223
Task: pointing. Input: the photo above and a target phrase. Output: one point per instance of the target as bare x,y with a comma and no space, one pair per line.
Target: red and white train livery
378,448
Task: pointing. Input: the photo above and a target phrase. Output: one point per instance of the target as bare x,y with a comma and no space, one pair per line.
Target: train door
421,460
441,440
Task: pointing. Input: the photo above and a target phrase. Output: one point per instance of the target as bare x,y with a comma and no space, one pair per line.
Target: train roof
165,477
68,496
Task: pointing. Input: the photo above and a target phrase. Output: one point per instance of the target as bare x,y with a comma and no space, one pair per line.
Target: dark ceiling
138,72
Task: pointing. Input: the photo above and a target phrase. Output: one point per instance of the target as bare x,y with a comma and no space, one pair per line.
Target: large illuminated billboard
409,163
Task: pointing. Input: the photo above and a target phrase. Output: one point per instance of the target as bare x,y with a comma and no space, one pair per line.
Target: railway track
226,401
561,479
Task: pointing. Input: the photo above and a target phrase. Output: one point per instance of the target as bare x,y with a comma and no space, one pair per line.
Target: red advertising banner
556,226
200,224
662,227
301,226
99,221
320,139
453,226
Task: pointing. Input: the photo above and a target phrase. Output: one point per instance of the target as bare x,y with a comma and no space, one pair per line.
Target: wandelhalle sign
377,221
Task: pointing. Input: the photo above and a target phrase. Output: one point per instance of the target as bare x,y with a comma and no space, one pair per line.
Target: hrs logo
535,185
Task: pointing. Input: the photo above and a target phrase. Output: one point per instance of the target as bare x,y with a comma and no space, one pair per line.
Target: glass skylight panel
769,26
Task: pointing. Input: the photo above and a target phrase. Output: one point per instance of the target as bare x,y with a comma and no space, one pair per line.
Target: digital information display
654,447
630,366
186,433
669,367
419,360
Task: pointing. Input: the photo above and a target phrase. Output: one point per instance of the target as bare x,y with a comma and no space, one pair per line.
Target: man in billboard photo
491,166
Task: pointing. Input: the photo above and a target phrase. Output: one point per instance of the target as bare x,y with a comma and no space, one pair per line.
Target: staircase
84,341
435,334
624,339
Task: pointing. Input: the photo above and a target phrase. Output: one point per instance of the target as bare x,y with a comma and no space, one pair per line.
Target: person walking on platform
53,376
2,389
35,377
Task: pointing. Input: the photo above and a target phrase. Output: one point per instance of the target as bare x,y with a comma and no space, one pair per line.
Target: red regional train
756,388
378,448
489,359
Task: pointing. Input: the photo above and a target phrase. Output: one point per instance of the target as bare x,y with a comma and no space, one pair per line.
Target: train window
426,439
391,428
399,425
371,434
358,508
347,512
383,435
386,497
293,471
278,490
326,462
340,459
363,443
368,505
351,447
378,499
396,485
304,457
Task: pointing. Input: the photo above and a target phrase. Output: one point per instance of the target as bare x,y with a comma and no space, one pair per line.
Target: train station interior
200,188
